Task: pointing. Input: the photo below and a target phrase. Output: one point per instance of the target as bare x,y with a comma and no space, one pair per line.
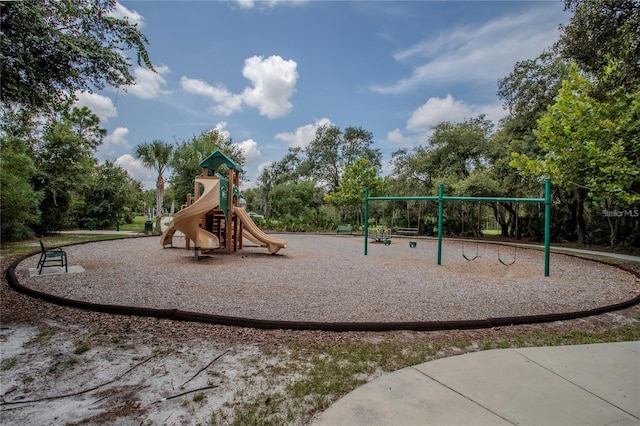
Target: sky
268,73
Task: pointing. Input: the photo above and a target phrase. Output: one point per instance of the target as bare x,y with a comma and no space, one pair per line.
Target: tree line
573,117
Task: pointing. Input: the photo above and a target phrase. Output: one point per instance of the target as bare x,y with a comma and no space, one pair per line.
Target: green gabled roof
216,159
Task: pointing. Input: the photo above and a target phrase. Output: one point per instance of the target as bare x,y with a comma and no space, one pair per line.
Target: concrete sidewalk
596,384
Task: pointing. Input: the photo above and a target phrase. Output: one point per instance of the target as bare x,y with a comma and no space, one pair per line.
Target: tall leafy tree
51,49
591,147
286,170
63,157
111,195
188,155
602,38
458,148
157,156
18,200
331,151
296,200
357,176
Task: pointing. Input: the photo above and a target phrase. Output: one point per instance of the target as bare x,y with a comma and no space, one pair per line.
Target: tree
51,49
64,157
18,200
110,196
285,170
602,38
157,156
458,148
590,146
188,155
531,87
299,200
331,151
357,176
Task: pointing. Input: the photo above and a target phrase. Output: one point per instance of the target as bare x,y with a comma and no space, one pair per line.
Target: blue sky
269,72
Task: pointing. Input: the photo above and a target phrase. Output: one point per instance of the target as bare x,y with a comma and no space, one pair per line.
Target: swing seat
387,242
470,259
506,263
413,244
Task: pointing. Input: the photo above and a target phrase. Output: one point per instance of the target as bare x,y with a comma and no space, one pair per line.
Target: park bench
344,229
407,231
51,257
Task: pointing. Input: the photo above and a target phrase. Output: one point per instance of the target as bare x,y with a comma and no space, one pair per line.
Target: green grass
54,240
136,226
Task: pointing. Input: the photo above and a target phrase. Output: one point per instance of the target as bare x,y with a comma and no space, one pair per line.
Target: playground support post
440,214
547,225
441,198
366,220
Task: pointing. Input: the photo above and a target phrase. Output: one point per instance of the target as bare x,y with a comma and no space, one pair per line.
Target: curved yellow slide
251,231
187,220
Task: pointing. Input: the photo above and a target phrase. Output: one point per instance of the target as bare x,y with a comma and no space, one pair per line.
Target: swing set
501,257
441,198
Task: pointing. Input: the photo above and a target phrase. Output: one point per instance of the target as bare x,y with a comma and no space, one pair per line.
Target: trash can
91,224
148,227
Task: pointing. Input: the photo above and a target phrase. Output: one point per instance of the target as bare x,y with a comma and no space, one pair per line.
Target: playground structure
211,217
441,198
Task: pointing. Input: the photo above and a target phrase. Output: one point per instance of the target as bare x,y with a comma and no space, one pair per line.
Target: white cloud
137,171
250,150
113,143
250,4
396,137
226,102
149,84
273,83
303,135
121,12
437,110
483,53
101,106
221,129
118,137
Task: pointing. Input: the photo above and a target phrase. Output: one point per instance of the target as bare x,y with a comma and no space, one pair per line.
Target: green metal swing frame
441,198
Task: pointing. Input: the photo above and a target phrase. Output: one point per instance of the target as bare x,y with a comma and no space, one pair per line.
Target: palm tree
157,156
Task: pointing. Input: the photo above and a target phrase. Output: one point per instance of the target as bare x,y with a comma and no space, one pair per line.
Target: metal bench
51,257
407,231
344,229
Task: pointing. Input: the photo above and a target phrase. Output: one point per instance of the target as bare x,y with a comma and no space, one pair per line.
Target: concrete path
595,384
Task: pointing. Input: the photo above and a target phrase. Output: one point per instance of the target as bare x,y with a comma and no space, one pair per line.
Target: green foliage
110,196
18,200
590,144
356,178
188,155
50,50
64,158
296,200
157,156
602,38
590,147
331,151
